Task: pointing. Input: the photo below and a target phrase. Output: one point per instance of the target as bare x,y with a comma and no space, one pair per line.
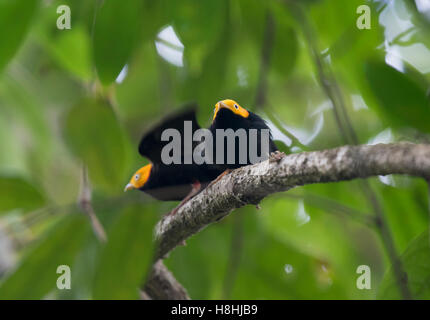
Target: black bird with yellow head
170,182
228,114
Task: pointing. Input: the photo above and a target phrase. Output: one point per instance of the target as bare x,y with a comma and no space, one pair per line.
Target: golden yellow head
139,178
232,106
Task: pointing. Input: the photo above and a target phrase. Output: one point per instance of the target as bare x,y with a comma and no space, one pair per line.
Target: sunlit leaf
15,19
94,135
36,274
17,193
331,18
195,22
415,261
125,260
115,36
402,101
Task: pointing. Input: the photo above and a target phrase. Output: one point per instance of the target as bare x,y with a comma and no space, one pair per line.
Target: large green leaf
36,275
211,81
331,18
400,99
15,19
17,193
416,262
115,36
71,48
125,260
253,17
94,135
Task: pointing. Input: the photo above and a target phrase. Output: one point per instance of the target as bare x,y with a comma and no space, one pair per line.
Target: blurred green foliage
106,159
415,259
84,96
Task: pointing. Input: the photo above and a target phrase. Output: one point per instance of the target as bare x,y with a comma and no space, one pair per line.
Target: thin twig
84,202
332,90
321,73
294,140
261,96
333,206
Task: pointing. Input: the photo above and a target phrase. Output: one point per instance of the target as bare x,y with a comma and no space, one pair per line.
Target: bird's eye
236,106
136,177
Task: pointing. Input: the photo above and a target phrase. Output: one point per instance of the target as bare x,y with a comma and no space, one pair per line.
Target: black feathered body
174,182
226,119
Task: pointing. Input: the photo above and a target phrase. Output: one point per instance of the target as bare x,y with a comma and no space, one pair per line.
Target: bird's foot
276,156
225,172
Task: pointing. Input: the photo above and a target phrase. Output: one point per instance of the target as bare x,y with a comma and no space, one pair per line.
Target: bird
182,181
170,182
228,114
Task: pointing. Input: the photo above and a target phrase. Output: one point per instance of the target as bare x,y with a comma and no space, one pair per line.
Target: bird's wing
151,145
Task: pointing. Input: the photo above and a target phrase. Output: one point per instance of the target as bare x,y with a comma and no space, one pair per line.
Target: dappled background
74,103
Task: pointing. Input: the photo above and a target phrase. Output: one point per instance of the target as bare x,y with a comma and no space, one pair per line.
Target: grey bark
250,184
162,285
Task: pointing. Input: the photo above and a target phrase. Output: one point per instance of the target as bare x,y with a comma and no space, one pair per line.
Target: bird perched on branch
174,181
228,114
183,177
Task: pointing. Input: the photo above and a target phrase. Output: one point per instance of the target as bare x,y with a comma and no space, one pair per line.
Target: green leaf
126,259
36,275
396,201
115,36
400,99
282,146
225,256
71,49
15,19
319,232
253,18
196,21
285,49
416,262
285,45
210,82
94,135
17,193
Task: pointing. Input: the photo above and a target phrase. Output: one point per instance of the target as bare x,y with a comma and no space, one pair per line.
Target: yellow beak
128,187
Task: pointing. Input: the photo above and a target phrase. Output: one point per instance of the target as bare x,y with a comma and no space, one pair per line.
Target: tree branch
84,202
331,88
162,285
250,184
